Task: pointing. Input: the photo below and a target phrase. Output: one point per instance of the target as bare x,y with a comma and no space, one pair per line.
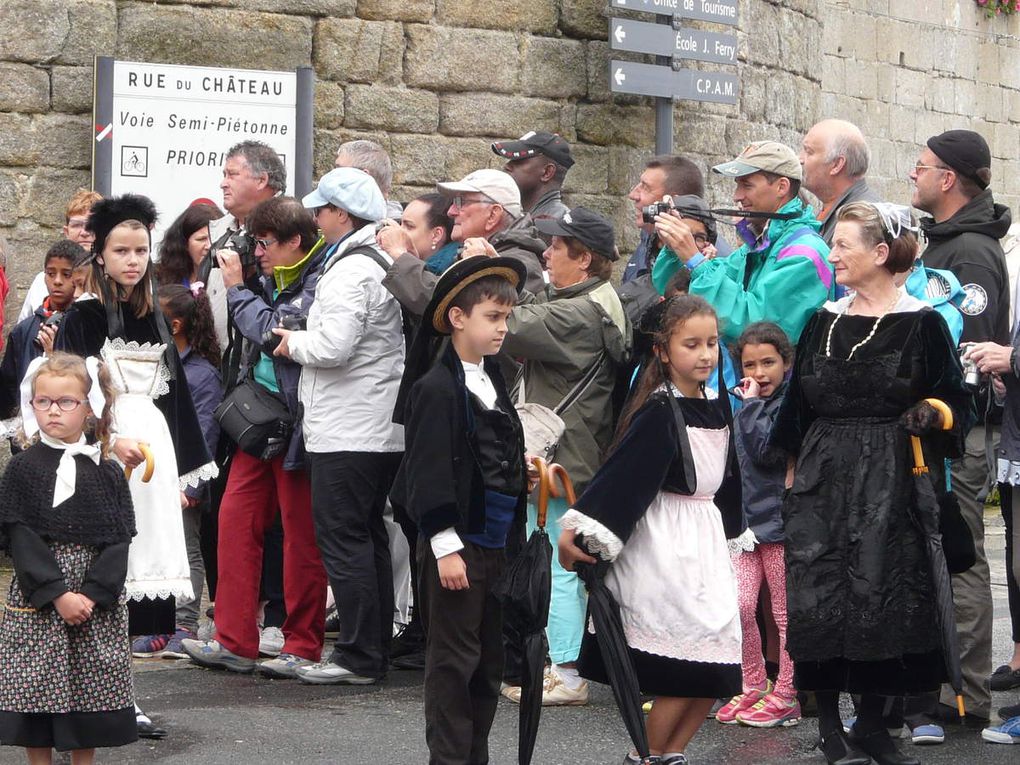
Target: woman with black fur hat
120,321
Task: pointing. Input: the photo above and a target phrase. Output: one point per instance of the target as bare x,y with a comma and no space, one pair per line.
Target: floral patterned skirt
74,682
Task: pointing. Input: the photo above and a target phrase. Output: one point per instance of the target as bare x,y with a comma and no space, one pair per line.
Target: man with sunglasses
951,183
487,219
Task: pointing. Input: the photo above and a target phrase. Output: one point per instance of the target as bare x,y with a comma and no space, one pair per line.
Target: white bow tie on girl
66,469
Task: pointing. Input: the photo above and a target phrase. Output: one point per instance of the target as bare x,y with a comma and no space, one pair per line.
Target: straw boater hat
435,323
460,275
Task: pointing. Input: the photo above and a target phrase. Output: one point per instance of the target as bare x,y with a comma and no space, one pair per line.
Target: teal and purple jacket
784,277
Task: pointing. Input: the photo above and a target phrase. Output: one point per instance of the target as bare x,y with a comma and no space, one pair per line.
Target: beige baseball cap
767,156
495,184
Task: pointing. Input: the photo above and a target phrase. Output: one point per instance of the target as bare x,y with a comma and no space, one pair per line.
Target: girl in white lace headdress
660,509
120,321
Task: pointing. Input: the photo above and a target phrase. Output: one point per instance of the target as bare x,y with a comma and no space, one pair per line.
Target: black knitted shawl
99,513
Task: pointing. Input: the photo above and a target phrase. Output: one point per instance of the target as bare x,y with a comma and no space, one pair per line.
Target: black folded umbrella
605,614
525,591
925,512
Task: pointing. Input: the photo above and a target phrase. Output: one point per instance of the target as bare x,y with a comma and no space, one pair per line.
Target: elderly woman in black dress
860,589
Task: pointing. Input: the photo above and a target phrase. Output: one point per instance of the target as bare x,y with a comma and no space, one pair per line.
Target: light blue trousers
569,598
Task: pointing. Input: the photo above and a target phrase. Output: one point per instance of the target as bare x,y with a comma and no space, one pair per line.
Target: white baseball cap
494,184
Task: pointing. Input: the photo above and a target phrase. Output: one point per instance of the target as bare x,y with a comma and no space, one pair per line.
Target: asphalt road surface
216,718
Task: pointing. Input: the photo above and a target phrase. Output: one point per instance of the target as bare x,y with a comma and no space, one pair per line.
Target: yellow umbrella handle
942,408
915,443
150,463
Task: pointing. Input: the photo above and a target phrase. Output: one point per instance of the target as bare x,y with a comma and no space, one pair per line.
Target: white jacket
352,356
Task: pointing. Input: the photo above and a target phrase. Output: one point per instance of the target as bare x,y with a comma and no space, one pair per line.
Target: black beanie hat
966,152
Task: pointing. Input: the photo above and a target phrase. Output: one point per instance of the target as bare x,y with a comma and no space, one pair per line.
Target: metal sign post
672,44
663,111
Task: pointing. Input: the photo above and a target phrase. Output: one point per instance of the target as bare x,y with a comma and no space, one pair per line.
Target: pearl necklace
871,334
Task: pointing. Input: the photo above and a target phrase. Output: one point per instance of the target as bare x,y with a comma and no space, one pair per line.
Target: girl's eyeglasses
65,404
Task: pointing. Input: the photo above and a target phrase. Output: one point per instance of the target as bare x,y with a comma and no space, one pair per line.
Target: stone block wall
907,71
435,81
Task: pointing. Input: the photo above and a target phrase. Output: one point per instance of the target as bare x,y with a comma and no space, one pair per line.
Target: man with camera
252,173
267,474
352,358
487,216
951,180
781,272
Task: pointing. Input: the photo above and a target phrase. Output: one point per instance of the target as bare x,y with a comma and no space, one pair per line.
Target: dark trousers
1009,504
463,656
271,585
348,499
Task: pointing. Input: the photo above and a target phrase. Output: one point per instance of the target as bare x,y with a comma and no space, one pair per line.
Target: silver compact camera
971,375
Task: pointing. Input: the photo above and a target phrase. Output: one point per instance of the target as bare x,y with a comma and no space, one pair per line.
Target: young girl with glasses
66,519
121,322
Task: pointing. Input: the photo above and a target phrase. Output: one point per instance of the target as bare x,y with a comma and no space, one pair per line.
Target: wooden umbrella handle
150,463
544,489
915,443
566,487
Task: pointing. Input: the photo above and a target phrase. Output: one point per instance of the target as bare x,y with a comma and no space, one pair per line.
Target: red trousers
256,491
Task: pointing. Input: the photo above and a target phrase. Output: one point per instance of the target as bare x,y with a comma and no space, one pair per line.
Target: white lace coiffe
64,486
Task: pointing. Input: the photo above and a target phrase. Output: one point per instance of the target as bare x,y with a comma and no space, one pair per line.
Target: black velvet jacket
439,483
655,455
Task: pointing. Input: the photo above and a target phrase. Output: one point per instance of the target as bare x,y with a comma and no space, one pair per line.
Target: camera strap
725,213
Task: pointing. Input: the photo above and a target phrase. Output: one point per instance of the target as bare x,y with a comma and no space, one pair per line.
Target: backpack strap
366,250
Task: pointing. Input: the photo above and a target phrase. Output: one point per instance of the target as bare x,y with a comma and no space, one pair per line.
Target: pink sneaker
771,712
727,714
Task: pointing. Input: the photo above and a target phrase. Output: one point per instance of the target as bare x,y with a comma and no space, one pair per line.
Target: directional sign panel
665,82
719,11
663,40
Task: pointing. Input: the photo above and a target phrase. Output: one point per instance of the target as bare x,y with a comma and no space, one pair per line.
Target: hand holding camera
672,230
393,239
271,340
980,359
475,247
48,331
230,264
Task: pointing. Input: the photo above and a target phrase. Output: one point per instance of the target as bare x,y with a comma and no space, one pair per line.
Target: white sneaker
285,665
555,692
512,692
328,673
271,641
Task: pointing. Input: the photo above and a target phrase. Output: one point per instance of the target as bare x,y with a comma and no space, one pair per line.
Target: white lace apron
157,559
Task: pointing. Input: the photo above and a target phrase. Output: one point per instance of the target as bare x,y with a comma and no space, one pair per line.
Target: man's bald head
834,156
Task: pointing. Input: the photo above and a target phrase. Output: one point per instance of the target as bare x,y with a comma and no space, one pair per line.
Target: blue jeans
569,599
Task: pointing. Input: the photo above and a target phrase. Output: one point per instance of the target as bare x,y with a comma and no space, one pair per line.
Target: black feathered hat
107,214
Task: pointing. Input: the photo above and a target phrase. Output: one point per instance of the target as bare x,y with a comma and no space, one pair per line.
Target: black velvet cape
84,331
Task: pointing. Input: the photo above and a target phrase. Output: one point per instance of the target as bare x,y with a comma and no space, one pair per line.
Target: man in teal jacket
781,273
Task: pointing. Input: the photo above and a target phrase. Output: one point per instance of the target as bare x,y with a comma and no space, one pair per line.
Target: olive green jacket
559,334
